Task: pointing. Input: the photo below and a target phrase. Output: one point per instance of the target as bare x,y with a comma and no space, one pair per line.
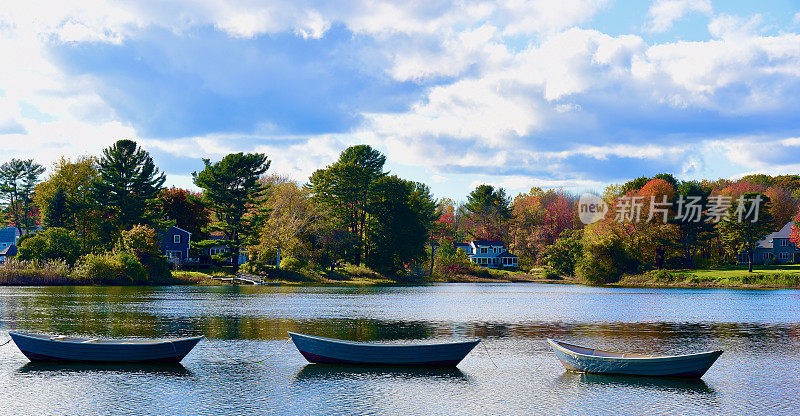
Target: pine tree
57,213
230,187
128,185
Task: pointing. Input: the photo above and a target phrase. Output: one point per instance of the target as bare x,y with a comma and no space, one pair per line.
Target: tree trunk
689,260
750,260
278,258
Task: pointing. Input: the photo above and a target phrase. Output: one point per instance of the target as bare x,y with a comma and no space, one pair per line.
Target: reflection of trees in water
137,312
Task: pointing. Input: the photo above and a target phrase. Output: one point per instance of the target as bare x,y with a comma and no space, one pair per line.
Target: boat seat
58,338
90,341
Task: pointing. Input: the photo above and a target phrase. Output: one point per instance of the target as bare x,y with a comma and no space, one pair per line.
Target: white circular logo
591,208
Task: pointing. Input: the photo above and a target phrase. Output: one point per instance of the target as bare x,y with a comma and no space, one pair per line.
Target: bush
450,261
291,263
604,261
51,244
142,242
550,274
120,268
563,255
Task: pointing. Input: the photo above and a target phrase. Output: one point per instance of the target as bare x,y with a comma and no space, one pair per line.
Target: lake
244,367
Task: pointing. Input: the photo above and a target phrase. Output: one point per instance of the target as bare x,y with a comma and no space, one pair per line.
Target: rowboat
335,351
575,358
63,348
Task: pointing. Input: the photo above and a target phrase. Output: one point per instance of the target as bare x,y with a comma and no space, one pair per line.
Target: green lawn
786,276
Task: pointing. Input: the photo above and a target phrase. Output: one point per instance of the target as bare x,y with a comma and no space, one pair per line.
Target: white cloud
663,13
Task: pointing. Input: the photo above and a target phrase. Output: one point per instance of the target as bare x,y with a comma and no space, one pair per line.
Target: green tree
749,220
343,189
76,180
489,209
128,185
57,213
291,214
563,255
51,244
401,217
18,179
693,229
231,187
144,243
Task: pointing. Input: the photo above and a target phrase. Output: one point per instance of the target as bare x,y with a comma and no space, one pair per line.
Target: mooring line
9,340
275,352
487,353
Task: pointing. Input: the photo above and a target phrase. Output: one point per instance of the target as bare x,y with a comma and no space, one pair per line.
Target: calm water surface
241,369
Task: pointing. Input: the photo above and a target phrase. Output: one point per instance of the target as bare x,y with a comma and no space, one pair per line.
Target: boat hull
682,366
333,351
44,348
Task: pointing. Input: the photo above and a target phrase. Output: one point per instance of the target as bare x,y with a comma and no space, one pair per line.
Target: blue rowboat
590,360
336,351
62,348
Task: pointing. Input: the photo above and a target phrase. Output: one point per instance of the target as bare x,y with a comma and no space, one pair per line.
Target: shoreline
663,279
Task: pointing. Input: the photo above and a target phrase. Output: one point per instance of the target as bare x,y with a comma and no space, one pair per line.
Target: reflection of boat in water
166,369
590,360
320,372
616,381
336,351
62,348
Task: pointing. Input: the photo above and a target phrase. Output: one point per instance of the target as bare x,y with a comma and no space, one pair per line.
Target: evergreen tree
401,216
230,187
488,209
128,185
343,188
749,220
693,229
18,179
57,213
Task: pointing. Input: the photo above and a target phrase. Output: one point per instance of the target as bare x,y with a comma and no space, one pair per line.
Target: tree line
107,212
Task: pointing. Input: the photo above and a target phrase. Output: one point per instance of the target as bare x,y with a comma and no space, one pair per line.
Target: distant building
175,244
7,251
491,254
8,236
776,247
224,249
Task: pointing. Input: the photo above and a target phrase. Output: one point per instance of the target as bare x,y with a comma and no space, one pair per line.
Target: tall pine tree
128,185
230,187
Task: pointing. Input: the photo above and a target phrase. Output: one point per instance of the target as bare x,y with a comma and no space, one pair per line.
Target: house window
766,256
484,250
784,242
176,239
784,256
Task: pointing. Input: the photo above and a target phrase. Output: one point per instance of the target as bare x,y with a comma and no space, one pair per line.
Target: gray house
775,246
175,244
8,242
491,254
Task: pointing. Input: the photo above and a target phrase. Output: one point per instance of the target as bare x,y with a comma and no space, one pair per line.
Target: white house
491,254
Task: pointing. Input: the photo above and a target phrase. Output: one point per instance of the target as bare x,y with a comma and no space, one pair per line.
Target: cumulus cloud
522,92
663,13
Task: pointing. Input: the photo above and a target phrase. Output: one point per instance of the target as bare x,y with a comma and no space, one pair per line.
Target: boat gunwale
372,344
96,341
620,356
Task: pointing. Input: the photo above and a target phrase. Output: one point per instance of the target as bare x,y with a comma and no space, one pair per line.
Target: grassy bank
762,277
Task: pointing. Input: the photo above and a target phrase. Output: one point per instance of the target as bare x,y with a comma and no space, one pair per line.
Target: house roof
506,254
9,234
488,243
782,233
9,251
181,229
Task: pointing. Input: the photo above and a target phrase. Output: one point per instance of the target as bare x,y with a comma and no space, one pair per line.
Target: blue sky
573,94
